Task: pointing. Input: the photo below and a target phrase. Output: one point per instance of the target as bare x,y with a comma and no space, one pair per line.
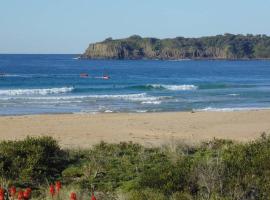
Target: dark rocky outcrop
227,46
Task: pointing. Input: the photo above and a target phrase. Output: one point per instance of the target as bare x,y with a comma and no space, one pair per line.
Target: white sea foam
232,109
108,111
9,75
22,75
152,102
45,91
175,87
141,97
233,95
141,111
129,97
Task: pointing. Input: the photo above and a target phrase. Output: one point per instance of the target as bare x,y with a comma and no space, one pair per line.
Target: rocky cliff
226,46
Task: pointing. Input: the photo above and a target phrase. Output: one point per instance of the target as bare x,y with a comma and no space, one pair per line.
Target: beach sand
151,129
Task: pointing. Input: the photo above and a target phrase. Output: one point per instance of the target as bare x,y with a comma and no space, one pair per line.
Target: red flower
58,186
27,193
73,196
93,197
2,194
20,195
12,191
52,190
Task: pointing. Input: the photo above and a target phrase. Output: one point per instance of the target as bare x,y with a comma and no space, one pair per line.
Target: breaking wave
166,87
44,91
141,97
232,109
152,102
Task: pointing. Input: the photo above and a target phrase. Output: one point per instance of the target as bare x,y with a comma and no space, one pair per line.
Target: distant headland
227,46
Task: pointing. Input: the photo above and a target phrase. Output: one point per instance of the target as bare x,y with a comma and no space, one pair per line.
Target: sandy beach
83,130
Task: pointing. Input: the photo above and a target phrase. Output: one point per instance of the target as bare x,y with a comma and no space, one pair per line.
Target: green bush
181,196
147,194
214,170
31,161
160,173
72,172
247,170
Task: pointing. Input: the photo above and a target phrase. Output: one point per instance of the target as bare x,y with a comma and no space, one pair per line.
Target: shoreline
149,129
183,59
207,109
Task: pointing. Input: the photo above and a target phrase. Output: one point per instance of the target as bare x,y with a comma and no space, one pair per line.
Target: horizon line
39,53
120,38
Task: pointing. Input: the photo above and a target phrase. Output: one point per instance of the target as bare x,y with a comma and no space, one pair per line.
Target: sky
68,26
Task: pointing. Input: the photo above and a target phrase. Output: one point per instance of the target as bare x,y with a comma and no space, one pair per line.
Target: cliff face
226,46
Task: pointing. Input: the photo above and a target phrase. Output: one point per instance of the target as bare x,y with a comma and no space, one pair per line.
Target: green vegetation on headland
214,170
227,46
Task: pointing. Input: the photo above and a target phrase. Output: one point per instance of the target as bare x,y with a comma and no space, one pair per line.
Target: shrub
147,194
246,170
31,161
215,170
181,196
160,173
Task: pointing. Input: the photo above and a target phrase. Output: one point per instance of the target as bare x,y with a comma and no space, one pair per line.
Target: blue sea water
35,84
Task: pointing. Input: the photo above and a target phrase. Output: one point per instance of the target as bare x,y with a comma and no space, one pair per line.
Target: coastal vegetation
227,46
214,170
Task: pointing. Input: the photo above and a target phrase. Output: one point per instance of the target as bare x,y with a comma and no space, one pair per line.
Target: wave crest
179,87
212,109
166,87
45,91
141,97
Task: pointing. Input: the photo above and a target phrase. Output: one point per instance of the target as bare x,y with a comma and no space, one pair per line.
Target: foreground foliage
31,161
219,169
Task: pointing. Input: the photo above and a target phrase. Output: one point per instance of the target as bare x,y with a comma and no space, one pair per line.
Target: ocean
39,84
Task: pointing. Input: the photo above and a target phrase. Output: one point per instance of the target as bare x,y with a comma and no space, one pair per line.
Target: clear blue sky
68,26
